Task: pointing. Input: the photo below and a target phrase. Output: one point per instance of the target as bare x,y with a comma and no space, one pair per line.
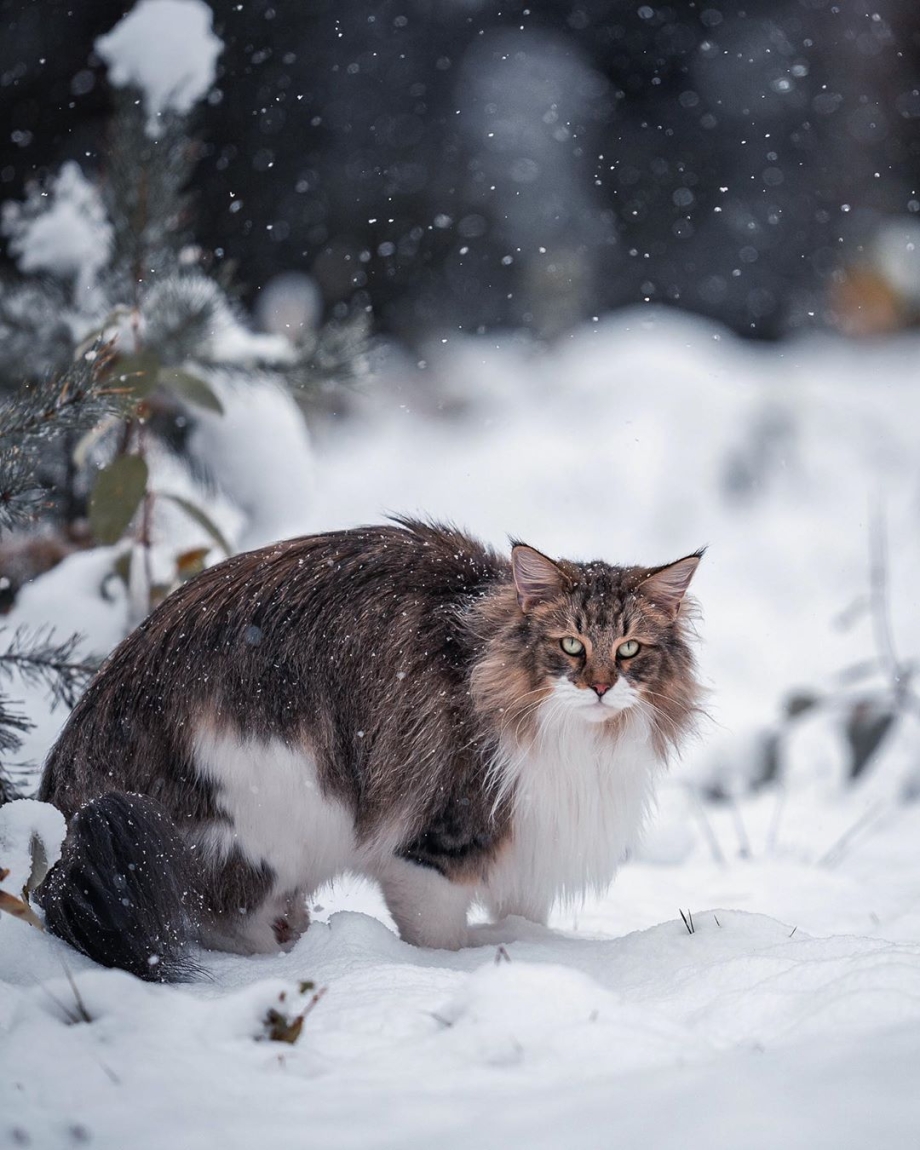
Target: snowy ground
615,1028
791,1015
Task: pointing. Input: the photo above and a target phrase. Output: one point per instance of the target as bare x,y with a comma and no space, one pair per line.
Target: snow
230,341
790,1016
21,823
70,238
168,50
260,454
536,1037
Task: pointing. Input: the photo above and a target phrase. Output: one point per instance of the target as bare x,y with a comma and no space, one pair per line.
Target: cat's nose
601,689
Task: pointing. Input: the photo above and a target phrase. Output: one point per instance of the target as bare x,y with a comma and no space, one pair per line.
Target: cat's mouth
601,711
595,708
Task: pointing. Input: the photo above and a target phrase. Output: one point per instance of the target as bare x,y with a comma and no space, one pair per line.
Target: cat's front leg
428,909
534,909
512,888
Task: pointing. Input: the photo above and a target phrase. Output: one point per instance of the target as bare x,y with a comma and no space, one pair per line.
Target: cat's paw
513,928
433,936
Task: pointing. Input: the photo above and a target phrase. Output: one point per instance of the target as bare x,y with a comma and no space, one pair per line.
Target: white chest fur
580,802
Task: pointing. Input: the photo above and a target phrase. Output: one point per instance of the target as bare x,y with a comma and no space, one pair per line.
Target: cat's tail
122,890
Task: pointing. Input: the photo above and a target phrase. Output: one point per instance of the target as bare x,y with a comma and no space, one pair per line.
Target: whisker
645,691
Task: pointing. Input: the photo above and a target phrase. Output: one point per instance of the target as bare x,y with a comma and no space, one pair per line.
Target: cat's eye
628,649
571,645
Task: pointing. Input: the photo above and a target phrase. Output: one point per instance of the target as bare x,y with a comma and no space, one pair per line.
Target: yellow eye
571,645
628,649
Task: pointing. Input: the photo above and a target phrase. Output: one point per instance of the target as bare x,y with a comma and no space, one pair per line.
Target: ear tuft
667,586
536,578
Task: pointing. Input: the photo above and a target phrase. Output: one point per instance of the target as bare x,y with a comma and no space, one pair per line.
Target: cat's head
595,642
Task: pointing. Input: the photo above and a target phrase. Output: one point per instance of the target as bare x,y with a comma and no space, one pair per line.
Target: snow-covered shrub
112,260
142,375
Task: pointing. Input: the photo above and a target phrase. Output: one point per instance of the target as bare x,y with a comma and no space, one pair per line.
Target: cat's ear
536,578
666,586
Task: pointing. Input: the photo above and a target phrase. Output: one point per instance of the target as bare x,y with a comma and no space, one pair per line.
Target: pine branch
20,493
34,335
39,413
8,789
339,351
41,660
13,724
75,400
144,194
179,314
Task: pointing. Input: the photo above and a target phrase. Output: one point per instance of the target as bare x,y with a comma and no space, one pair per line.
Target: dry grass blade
688,921
81,1014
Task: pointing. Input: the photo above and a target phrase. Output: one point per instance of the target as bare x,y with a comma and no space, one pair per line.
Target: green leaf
191,388
202,520
117,494
122,568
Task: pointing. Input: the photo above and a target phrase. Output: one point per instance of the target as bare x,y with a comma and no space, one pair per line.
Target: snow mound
510,1013
551,1041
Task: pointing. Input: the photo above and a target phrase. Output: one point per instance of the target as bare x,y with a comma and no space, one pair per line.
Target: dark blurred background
469,168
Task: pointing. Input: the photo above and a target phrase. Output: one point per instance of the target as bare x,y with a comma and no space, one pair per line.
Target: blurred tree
537,164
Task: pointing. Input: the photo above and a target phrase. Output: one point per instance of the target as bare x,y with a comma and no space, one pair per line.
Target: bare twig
744,843
836,852
778,809
314,1000
708,832
880,609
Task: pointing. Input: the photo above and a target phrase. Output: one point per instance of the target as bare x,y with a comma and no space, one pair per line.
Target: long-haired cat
399,702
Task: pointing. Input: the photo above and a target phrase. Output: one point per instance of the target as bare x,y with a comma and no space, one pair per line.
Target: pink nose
601,688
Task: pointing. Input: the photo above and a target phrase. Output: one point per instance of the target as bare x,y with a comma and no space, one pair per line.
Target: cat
398,701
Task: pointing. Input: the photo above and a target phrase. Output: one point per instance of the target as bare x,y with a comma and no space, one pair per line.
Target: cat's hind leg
428,908
245,911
